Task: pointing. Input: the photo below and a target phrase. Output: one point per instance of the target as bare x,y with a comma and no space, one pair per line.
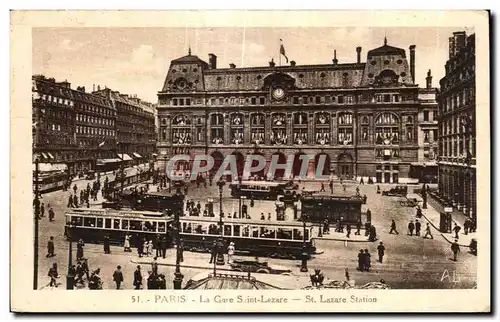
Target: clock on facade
278,93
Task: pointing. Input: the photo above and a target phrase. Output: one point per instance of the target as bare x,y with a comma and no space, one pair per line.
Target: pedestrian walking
79,274
381,252
75,201
466,226
79,249
367,228
154,266
150,248
418,226
322,188
230,252
118,277
138,244
367,261
213,252
428,231
163,246
74,188
126,244
411,227
54,275
361,260
42,210
348,228
51,214
50,247
137,278
70,201
106,245
85,268
361,181
331,186
358,228
262,217
269,216
456,230
393,228
145,248
455,248
373,234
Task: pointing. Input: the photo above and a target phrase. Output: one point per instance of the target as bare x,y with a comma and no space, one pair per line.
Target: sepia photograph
247,166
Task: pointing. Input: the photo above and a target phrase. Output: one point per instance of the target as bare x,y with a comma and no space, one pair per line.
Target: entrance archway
218,159
326,163
279,173
345,166
297,164
260,173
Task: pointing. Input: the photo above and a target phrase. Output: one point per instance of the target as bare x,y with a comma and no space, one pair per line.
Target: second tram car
259,189
276,239
51,181
318,207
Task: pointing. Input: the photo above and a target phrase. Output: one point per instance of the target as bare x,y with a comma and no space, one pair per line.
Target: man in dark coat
42,210
75,201
367,261
139,246
381,252
411,227
361,260
213,252
418,226
367,228
51,214
137,278
163,246
348,228
50,247
107,249
393,228
456,230
70,202
455,248
358,228
118,276
154,266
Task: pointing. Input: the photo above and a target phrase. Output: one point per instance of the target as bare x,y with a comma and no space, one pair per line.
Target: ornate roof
229,282
386,50
188,59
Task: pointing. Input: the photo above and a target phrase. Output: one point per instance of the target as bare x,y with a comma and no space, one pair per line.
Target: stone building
71,127
135,126
457,128
362,116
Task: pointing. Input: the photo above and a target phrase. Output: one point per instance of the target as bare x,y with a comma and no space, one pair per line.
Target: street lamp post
70,278
178,276
304,255
36,218
220,251
241,205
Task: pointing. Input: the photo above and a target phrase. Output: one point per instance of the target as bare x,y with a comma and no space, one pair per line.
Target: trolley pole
36,218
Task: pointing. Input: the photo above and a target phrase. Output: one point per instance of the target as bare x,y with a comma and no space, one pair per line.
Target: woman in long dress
230,252
150,248
145,248
126,244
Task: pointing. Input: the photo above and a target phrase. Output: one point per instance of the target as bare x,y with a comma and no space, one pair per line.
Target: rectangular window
426,116
387,98
188,101
253,101
304,100
221,101
181,101
174,101
340,99
262,100
212,101
295,100
318,100
396,98
327,99
232,101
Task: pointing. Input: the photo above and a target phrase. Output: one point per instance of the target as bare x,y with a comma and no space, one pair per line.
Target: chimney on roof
412,62
293,63
335,60
272,63
98,87
93,87
212,61
358,51
232,65
428,80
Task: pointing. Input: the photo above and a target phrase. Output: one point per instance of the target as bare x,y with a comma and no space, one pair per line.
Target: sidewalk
336,236
433,215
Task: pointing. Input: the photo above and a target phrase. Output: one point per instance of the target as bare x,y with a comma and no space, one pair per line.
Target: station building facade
362,116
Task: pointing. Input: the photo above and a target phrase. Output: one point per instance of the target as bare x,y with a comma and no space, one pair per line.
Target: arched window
387,129
237,120
257,122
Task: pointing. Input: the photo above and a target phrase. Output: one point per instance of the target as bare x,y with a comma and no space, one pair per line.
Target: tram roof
215,220
337,197
119,214
261,183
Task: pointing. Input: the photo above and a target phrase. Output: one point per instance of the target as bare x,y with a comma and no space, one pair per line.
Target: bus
318,207
51,181
269,190
275,239
91,225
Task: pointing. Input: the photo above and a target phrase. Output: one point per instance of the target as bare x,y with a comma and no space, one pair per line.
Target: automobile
398,191
254,266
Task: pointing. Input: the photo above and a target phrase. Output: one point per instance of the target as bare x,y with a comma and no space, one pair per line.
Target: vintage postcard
250,161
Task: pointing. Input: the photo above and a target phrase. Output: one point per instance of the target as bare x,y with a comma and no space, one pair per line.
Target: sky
136,60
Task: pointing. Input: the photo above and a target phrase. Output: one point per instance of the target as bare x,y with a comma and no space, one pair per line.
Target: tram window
149,226
124,224
271,233
307,234
108,223
255,231
246,231
184,227
198,229
161,227
297,234
116,224
188,228
236,231
89,222
263,231
227,230
135,225
99,223
284,233
77,221
213,230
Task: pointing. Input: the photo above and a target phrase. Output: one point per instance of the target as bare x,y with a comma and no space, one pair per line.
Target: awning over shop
137,155
44,155
46,167
50,155
154,154
103,161
124,157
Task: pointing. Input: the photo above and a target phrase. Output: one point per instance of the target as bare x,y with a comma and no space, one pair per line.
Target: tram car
51,181
92,225
146,202
320,207
275,239
264,190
